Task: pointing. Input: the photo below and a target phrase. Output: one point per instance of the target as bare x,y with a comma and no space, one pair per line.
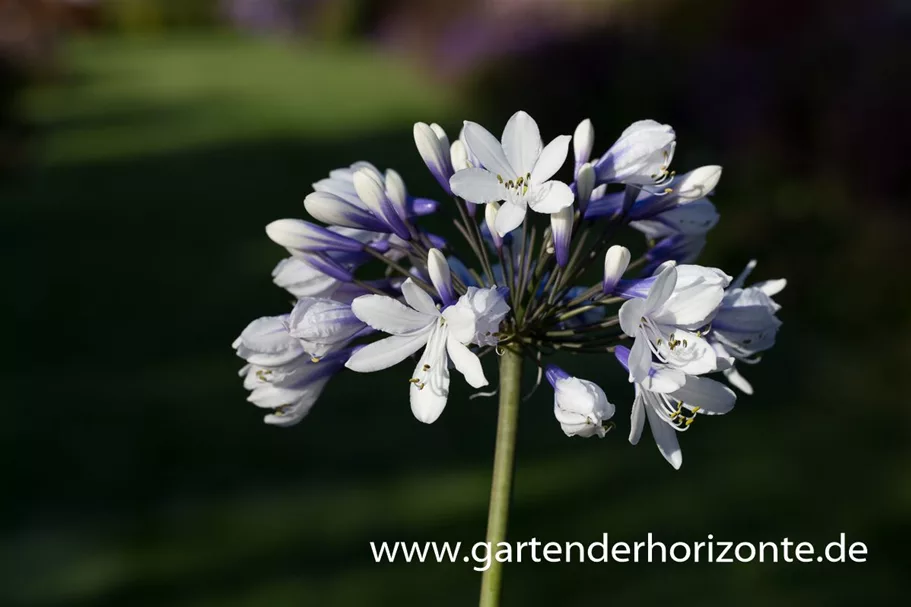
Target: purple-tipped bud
554,373
336,211
490,218
370,187
585,184
300,235
433,146
440,276
561,226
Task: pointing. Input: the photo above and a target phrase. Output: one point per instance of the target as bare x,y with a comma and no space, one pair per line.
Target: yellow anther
314,359
500,178
426,367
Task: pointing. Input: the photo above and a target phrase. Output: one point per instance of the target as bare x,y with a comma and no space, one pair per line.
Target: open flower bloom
745,325
640,156
419,323
580,406
666,322
517,171
279,374
670,400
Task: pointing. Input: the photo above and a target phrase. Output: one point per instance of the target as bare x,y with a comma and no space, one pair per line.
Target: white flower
516,171
580,406
670,400
641,156
489,308
444,336
666,321
279,374
745,325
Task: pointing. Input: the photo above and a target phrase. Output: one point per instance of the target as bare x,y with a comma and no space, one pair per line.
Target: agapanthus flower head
374,288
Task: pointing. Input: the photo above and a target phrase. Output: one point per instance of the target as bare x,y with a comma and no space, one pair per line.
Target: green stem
503,464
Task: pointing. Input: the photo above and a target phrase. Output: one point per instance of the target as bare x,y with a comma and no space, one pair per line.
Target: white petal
477,185
771,287
488,150
551,197
459,156
522,143
551,159
696,184
696,358
428,397
630,315
386,352
662,289
637,419
419,299
466,362
710,395
691,308
389,315
738,381
640,359
664,380
665,438
509,217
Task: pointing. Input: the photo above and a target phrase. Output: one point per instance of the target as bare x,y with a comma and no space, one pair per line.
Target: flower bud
616,260
583,140
490,218
585,184
561,226
438,269
433,146
580,406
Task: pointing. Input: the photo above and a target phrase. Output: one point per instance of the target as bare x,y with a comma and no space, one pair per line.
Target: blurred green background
143,147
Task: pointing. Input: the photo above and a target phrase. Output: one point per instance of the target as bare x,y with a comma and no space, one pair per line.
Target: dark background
143,147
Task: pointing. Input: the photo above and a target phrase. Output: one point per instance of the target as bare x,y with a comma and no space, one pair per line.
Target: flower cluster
519,278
